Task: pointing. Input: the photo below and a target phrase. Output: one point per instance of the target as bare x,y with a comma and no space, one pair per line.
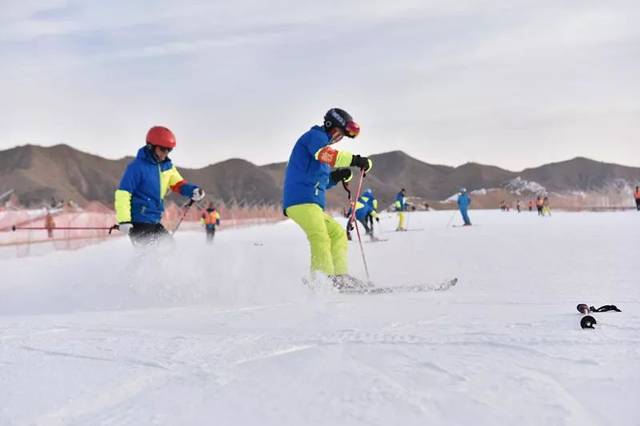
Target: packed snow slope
227,335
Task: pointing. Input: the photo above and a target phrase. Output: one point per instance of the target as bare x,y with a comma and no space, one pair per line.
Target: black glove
341,174
361,162
377,219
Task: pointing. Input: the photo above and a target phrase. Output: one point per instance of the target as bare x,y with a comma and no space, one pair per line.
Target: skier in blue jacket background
307,177
401,206
366,211
139,200
463,205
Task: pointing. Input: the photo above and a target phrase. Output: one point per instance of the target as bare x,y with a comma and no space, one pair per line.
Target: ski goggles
352,129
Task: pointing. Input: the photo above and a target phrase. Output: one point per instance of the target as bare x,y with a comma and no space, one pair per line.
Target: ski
410,288
377,240
404,230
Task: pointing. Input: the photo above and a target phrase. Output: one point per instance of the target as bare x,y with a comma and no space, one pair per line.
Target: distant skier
210,219
637,196
307,177
139,200
373,202
49,224
540,205
546,207
401,206
366,212
463,205
530,205
518,206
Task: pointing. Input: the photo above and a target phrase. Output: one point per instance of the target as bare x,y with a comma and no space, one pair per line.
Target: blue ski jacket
401,202
306,178
140,196
463,201
366,206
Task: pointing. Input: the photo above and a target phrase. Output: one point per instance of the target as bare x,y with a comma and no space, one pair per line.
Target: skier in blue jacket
307,177
139,200
401,206
463,205
366,212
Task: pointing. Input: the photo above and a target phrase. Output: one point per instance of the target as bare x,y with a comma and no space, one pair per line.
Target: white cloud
512,83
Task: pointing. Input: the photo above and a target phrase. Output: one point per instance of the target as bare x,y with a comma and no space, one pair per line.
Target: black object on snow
587,321
604,308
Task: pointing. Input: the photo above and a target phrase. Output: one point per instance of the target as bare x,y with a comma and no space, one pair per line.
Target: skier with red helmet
308,175
139,199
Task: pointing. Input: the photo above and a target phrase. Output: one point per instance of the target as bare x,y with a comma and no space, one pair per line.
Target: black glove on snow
361,162
341,174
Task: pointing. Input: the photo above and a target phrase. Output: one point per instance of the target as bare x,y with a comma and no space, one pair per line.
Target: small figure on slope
463,205
210,219
307,177
401,206
637,197
139,200
540,205
546,207
366,207
49,224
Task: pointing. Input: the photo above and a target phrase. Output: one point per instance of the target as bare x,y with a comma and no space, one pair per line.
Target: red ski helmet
161,136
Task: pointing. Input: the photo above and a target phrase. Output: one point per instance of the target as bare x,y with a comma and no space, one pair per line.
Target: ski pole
450,219
347,214
186,208
353,215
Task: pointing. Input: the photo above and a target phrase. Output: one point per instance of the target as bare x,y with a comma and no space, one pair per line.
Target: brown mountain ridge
38,174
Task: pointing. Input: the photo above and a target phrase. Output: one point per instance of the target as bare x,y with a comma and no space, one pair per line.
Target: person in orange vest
49,224
637,195
210,219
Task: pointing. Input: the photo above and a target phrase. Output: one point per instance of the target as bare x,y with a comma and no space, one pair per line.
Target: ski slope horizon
227,334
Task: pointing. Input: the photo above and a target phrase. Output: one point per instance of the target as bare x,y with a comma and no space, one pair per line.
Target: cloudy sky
511,83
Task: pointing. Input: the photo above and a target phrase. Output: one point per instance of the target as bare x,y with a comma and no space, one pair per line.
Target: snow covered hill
227,335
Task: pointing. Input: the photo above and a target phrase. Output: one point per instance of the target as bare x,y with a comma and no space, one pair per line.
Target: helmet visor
352,129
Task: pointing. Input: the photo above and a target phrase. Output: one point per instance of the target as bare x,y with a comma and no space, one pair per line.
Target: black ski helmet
341,119
587,321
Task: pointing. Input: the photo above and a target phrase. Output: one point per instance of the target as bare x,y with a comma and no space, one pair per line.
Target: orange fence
24,232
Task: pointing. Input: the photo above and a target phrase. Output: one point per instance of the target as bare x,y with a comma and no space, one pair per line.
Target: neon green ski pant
327,238
400,220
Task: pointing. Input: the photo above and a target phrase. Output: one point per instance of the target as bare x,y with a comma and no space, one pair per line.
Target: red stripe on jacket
177,186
